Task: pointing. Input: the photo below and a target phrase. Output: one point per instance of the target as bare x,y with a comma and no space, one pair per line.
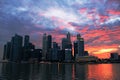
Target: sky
98,22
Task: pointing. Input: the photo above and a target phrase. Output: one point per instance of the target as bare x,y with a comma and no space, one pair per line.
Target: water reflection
11,71
58,71
100,71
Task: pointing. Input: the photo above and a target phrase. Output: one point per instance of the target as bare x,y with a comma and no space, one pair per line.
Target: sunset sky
98,22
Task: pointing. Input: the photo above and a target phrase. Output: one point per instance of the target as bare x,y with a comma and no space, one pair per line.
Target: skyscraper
49,48
8,47
49,42
16,48
67,47
44,46
55,52
75,49
66,42
68,37
26,48
79,46
68,55
26,40
5,52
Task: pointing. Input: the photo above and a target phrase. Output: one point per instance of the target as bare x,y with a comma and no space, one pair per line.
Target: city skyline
98,21
19,49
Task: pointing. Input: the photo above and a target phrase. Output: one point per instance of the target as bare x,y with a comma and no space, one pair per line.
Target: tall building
26,40
8,47
5,52
114,56
68,55
55,52
66,42
49,42
44,46
16,48
49,47
75,49
68,37
79,46
27,49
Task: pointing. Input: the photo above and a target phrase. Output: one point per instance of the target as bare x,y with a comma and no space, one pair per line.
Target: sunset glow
98,22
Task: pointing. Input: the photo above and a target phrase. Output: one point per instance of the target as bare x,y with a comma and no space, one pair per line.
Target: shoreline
47,62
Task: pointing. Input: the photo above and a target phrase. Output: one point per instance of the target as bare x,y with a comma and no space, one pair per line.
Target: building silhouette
79,46
44,46
16,48
15,51
49,48
55,52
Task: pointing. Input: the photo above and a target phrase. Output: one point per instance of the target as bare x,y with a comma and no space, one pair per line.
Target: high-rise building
64,43
49,47
75,49
26,40
44,46
8,47
5,52
27,49
16,48
55,52
79,46
49,42
68,55
68,37
114,56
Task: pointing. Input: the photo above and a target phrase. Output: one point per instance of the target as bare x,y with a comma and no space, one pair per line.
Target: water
57,71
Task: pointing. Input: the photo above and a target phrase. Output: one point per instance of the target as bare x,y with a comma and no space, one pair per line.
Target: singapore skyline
59,39
98,23
20,49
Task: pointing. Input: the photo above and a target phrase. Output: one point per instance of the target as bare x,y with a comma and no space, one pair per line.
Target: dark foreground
59,71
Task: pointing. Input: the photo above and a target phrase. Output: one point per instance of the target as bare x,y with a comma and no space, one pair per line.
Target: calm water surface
57,71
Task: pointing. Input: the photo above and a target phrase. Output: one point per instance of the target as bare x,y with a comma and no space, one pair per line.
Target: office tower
44,46
80,42
16,48
75,49
64,43
68,55
36,56
67,47
26,40
55,52
69,37
49,47
5,52
27,49
79,47
8,47
114,56
78,36
49,42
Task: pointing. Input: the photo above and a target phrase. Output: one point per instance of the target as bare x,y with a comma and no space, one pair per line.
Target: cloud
61,14
98,21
